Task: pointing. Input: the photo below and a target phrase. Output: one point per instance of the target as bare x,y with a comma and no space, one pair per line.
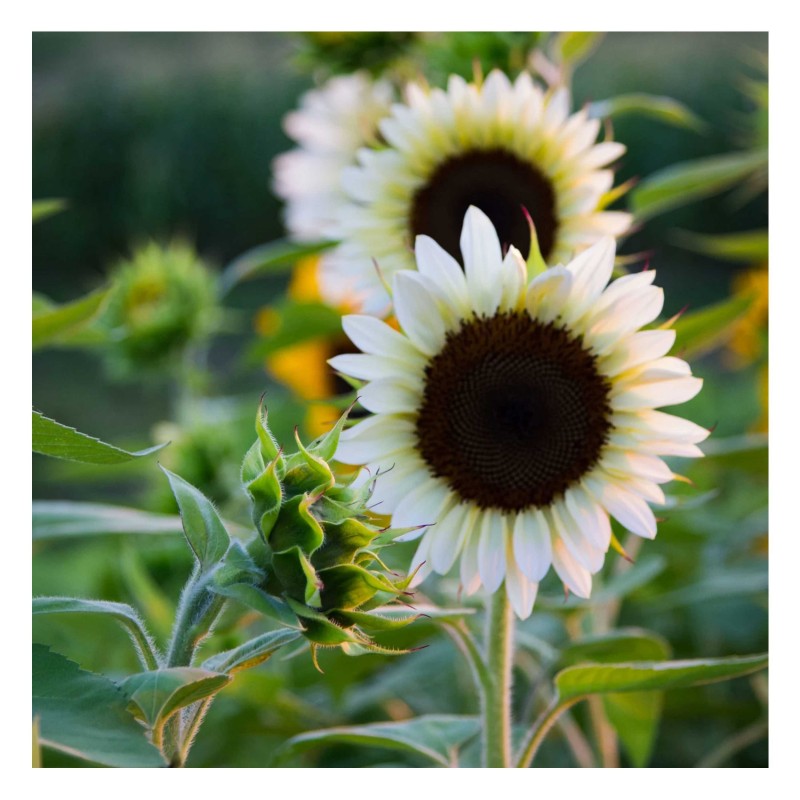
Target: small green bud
320,551
162,299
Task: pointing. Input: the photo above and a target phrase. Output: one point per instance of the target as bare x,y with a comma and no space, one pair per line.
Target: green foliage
320,548
162,300
156,695
580,681
57,519
684,183
664,109
267,259
123,613
66,324
251,653
297,322
699,332
435,737
341,52
86,715
204,531
51,438
746,247
42,209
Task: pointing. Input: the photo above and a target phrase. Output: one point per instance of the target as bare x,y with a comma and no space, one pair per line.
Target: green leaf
295,323
86,715
664,109
681,184
746,247
51,438
42,209
578,682
635,717
202,526
124,614
257,599
251,653
271,258
56,519
158,694
699,332
435,737
574,47
625,643
59,324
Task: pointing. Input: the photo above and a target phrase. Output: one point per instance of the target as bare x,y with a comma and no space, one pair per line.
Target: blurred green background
152,135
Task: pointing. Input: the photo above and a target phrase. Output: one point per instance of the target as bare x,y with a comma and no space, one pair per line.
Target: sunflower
517,418
505,148
332,123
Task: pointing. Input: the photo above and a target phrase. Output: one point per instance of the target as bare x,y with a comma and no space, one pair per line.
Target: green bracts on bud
320,549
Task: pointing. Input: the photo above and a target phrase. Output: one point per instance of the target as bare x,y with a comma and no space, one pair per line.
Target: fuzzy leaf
342,541
580,681
296,526
348,586
86,715
435,737
251,653
51,438
202,526
160,693
259,600
124,614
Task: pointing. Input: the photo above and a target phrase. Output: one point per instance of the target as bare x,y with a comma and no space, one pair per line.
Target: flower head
333,122
517,418
499,146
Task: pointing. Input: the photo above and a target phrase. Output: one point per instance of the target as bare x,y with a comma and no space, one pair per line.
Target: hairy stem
540,729
496,704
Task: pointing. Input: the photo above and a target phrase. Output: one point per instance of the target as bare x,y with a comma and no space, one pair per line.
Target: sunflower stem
496,705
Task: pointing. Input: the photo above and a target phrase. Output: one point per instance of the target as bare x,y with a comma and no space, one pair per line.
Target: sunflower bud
163,299
321,550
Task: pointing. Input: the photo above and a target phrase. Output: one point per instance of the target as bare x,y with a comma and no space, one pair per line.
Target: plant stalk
496,699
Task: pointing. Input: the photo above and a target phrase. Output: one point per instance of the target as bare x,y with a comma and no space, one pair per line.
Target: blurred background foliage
149,137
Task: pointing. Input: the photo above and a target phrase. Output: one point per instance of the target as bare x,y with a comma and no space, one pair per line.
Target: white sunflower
517,418
499,146
332,123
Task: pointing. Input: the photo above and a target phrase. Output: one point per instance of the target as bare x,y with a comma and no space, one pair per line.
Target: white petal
371,335
396,477
417,312
423,506
657,393
593,519
521,591
548,293
577,578
664,426
492,550
390,395
470,576
576,540
591,271
370,368
483,259
436,264
627,508
374,438
532,549
514,275
640,465
448,538
636,349
422,561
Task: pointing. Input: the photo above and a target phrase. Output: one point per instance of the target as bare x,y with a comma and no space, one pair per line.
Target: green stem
496,704
540,729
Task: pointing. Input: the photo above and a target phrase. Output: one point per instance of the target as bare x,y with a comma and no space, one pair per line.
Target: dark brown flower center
500,185
514,411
